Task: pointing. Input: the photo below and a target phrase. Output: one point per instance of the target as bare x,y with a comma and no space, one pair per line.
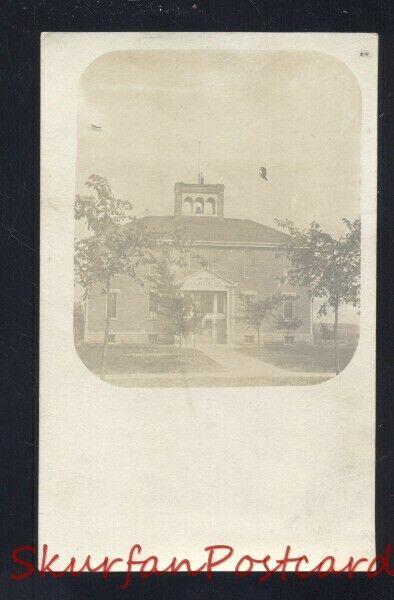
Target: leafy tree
288,324
111,247
170,247
175,306
327,267
255,311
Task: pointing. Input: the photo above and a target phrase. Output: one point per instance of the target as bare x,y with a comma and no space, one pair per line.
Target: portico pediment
206,281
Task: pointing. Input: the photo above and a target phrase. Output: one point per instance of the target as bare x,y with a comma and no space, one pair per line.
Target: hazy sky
297,113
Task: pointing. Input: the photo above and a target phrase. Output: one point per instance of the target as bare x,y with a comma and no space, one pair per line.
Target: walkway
238,363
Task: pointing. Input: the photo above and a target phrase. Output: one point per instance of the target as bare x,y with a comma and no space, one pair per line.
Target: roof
217,229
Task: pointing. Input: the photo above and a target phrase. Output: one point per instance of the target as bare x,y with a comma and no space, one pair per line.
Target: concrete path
239,363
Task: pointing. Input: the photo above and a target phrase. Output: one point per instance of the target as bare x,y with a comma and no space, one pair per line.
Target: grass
151,360
301,357
138,358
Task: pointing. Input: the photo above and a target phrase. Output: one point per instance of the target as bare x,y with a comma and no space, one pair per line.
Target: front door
213,306
207,333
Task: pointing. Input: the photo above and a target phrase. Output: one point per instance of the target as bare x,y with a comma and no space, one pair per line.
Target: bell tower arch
199,199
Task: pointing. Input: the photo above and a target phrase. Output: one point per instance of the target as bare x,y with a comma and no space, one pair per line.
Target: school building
239,256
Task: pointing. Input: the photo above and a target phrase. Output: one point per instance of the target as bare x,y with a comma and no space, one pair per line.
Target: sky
296,113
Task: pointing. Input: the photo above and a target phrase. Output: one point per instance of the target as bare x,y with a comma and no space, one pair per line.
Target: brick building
239,255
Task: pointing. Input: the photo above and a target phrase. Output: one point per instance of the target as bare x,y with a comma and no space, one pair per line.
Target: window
199,206
111,338
250,294
153,305
187,205
112,305
288,308
211,259
249,339
196,261
249,263
152,268
210,207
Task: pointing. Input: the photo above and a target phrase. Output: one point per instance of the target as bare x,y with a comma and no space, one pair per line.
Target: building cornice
269,245
199,187
236,244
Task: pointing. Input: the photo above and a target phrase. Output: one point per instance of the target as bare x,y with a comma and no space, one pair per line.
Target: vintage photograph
205,298
217,218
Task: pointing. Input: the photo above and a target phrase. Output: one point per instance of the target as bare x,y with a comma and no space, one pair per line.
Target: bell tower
199,199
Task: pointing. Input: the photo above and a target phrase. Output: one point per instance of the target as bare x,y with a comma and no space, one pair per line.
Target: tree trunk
312,325
194,346
106,334
336,339
180,340
258,337
85,312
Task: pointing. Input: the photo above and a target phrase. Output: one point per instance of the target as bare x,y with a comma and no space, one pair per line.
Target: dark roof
218,229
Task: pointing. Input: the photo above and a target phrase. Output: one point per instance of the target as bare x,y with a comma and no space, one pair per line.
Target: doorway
213,306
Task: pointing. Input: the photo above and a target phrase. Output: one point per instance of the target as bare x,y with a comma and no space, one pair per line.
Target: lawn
138,358
301,357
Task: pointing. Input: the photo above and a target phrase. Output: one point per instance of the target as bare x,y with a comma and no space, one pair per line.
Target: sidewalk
237,362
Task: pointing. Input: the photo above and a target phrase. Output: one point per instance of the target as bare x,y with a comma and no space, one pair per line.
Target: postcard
207,304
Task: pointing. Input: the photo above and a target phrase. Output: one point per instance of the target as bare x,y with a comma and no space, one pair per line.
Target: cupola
199,199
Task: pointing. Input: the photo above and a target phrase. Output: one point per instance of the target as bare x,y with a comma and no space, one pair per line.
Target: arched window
187,206
199,206
210,206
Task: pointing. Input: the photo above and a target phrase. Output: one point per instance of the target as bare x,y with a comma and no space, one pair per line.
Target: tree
255,311
177,307
287,321
327,267
288,324
111,248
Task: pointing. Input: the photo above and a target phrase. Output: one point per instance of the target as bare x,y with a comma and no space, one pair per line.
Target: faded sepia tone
229,158
204,462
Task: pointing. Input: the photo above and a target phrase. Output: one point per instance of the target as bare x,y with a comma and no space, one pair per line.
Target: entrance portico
214,295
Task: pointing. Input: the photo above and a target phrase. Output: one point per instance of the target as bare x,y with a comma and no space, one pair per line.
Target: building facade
227,257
